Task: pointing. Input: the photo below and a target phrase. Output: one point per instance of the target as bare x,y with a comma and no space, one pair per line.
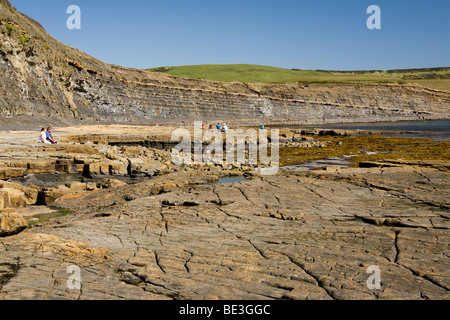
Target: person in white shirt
224,128
43,136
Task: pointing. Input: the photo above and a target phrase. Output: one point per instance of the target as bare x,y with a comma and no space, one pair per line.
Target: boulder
77,186
51,194
12,198
165,187
146,167
108,168
31,192
111,183
11,223
7,172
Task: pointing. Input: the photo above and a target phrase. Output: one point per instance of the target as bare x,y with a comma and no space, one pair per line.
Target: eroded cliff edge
41,78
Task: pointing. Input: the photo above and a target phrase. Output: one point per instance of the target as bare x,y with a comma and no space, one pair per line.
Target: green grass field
435,78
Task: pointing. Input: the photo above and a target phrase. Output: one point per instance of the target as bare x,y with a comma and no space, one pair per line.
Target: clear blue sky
303,34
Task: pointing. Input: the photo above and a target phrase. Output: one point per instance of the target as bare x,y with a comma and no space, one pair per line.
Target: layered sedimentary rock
179,233
309,235
43,78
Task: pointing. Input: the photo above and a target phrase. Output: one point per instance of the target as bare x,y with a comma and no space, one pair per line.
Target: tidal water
436,130
421,129
231,180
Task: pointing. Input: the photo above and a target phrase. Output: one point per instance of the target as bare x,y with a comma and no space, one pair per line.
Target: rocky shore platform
108,202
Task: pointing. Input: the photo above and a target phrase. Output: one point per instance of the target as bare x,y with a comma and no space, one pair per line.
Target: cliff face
41,78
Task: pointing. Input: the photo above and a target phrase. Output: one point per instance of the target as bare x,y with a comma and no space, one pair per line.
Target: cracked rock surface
295,235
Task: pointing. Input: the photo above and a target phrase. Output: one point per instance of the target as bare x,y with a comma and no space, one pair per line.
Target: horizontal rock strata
43,79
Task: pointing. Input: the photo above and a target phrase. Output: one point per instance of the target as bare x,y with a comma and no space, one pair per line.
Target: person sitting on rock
50,136
224,128
43,136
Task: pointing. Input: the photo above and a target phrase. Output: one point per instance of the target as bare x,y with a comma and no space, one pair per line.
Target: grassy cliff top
434,78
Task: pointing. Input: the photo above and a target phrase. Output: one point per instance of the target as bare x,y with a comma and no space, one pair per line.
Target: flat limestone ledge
303,235
21,155
105,149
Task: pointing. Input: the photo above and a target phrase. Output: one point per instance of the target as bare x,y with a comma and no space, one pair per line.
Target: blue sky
303,34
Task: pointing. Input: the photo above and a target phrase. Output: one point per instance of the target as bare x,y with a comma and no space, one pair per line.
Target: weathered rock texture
11,223
175,235
290,236
42,78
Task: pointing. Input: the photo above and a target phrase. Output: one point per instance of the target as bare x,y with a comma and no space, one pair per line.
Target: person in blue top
218,127
50,136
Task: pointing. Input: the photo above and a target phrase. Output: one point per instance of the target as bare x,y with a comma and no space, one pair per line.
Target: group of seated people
222,128
46,136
